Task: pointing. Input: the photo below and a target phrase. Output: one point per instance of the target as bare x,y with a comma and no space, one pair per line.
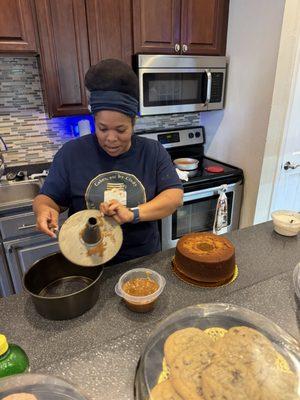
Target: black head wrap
113,86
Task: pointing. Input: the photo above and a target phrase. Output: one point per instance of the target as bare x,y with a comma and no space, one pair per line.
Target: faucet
2,164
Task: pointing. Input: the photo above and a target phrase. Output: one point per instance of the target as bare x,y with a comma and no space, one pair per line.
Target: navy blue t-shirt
82,175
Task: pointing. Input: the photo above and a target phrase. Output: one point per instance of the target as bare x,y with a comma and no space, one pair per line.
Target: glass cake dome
253,359
39,387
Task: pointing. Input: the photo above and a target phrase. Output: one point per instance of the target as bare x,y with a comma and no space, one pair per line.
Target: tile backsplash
31,136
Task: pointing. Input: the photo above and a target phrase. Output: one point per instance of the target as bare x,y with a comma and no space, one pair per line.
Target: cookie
252,349
182,339
164,391
279,385
230,380
186,370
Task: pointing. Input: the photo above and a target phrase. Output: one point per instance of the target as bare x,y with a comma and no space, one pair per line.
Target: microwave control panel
216,87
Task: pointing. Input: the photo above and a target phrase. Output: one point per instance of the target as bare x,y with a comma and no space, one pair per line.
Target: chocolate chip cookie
164,391
186,370
229,380
182,339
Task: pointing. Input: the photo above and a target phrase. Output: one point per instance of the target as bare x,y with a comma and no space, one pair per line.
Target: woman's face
113,131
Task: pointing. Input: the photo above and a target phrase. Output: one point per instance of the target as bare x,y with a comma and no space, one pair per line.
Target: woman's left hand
118,211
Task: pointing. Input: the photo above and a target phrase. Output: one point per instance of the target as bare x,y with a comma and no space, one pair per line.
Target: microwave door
175,90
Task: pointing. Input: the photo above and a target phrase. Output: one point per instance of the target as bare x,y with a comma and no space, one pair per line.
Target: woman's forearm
41,200
162,205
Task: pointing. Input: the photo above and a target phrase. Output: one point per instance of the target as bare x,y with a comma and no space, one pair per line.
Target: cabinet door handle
20,228
184,48
177,47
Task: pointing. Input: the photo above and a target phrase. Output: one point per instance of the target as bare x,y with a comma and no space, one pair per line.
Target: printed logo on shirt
115,185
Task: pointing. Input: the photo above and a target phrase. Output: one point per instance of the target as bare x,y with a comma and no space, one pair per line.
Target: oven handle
199,194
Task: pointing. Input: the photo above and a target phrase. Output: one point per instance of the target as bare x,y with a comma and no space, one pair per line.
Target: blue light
68,126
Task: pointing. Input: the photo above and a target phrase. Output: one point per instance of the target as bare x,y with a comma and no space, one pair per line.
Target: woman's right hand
47,220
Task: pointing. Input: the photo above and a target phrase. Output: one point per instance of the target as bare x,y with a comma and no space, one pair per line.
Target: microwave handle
208,92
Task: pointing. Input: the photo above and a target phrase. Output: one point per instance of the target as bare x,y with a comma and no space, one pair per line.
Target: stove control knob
191,135
197,134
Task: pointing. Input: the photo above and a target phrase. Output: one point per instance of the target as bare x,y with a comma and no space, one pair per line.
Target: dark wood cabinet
75,34
156,26
109,28
17,26
65,55
204,26
180,26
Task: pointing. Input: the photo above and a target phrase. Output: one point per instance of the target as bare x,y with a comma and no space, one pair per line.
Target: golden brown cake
205,258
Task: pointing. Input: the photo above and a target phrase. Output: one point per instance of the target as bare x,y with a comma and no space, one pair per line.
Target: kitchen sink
16,194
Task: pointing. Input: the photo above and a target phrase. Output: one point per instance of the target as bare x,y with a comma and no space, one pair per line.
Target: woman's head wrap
113,86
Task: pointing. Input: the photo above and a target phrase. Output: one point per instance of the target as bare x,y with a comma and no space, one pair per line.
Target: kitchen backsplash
31,136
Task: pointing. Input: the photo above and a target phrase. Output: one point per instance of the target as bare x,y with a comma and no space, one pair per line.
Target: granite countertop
98,351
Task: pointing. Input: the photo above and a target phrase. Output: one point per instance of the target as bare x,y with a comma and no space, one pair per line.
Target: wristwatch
136,215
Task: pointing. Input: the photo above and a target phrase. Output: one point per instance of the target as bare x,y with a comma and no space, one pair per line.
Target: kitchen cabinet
64,55
156,26
109,29
20,246
180,26
6,287
22,253
17,26
75,34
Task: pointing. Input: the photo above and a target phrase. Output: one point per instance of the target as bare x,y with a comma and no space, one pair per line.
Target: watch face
115,185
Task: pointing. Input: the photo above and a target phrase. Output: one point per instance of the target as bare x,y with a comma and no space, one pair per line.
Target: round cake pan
60,289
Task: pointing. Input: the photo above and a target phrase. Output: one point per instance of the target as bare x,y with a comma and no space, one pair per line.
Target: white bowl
186,164
286,223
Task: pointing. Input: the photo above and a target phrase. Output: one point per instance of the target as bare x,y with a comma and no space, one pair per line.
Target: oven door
164,91
198,212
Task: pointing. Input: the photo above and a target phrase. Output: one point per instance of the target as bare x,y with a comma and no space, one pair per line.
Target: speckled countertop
98,351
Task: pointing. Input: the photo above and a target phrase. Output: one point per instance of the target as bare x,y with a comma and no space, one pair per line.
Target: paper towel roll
84,127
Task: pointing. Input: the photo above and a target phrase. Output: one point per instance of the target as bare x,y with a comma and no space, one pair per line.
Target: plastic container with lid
43,387
140,303
286,223
215,319
13,359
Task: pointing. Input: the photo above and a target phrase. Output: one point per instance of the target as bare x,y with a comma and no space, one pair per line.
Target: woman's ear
133,120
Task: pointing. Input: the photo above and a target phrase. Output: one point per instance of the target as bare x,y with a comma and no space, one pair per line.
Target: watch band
136,215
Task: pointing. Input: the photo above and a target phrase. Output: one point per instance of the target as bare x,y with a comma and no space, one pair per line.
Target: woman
128,177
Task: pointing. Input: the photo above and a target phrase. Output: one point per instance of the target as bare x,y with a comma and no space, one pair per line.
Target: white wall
237,134
280,132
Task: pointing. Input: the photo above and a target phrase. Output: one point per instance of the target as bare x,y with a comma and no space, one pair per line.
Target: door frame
287,72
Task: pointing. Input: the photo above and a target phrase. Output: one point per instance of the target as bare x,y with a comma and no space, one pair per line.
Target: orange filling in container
140,287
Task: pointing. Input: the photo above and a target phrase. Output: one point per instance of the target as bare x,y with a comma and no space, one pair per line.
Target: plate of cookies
218,352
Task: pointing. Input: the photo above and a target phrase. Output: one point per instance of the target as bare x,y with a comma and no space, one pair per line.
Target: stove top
189,142
204,179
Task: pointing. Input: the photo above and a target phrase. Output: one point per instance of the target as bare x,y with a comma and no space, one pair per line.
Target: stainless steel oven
198,212
201,192
174,83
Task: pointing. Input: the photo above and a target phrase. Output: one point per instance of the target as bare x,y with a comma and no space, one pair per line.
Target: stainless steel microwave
174,83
